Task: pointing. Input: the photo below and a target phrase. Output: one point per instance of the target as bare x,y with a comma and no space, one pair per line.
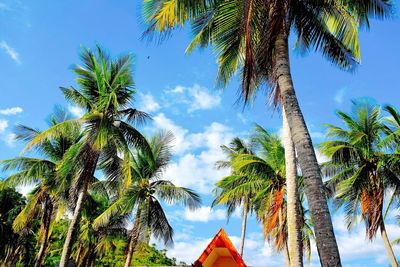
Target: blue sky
39,42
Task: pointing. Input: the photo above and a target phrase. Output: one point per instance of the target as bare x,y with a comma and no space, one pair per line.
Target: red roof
220,240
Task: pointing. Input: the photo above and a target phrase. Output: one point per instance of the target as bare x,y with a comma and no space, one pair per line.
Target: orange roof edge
221,239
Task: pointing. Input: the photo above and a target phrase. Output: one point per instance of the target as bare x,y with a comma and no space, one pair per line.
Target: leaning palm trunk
72,229
244,224
46,221
134,235
86,175
293,217
387,245
325,238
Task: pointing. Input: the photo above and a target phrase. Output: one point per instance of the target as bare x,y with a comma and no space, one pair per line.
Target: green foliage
243,33
362,166
142,188
15,247
114,256
258,176
149,256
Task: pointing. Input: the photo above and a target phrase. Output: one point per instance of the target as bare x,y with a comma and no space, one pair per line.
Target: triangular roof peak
220,252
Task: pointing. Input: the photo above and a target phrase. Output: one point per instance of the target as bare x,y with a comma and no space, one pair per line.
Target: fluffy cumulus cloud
181,143
5,135
195,97
204,214
3,125
147,103
196,154
11,111
10,51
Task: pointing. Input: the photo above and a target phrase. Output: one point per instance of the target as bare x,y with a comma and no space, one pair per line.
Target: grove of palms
106,188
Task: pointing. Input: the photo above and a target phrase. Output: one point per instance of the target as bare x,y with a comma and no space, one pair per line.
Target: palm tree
253,36
143,187
269,169
50,191
360,169
294,237
231,190
266,174
106,88
94,243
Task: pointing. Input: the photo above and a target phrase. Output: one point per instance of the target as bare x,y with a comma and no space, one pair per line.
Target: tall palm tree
294,237
106,90
231,190
50,191
253,36
143,187
360,169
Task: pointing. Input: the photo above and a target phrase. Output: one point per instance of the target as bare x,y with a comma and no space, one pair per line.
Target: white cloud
203,99
196,170
76,111
3,125
10,139
177,90
205,214
195,97
148,103
10,51
181,144
196,153
340,95
11,111
193,171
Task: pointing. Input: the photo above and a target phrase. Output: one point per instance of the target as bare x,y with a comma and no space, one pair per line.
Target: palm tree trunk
387,245
72,229
293,216
46,221
244,224
85,176
325,238
134,235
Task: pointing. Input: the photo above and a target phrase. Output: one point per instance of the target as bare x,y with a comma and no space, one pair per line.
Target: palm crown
50,194
144,187
243,33
360,168
105,92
